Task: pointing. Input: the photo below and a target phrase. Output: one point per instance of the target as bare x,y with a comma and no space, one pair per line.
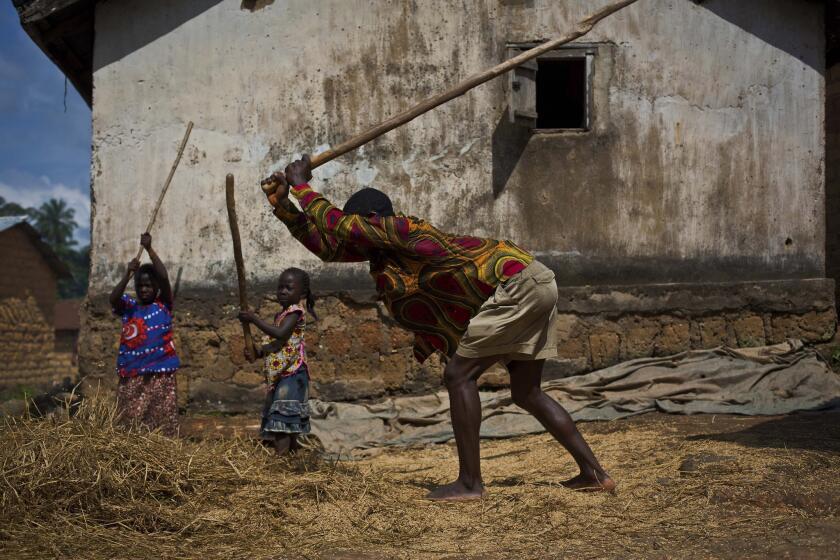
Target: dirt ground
689,487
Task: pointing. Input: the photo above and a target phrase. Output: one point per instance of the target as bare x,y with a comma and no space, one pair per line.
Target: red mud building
31,270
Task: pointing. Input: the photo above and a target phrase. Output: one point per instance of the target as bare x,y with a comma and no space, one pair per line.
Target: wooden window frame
578,51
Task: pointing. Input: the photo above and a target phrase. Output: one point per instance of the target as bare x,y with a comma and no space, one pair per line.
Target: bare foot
456,492
595,482
282,443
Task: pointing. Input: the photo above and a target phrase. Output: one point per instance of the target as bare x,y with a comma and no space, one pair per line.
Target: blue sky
44,151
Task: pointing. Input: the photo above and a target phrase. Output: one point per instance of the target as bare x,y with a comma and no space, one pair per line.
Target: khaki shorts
517,322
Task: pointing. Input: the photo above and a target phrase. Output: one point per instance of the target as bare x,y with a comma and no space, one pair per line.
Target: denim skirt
286,409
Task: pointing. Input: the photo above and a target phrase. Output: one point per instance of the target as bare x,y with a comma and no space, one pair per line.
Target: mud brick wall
602,326
27,341
356,352
32,275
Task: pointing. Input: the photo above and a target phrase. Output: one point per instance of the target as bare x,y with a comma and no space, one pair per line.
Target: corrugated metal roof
7,222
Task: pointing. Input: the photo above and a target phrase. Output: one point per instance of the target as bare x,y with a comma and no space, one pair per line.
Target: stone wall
600,326
356,352
27,343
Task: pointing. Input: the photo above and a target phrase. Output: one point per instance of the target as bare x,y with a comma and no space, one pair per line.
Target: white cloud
36,191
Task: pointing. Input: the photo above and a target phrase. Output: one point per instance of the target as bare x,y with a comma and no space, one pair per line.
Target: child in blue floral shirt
147,361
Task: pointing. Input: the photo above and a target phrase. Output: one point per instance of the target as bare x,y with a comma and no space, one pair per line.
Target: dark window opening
561,93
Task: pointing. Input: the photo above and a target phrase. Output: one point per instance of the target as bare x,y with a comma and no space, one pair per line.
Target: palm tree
55,221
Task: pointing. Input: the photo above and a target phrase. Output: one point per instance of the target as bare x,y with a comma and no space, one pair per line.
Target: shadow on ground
817,431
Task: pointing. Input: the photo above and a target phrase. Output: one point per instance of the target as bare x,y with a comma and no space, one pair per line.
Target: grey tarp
755,381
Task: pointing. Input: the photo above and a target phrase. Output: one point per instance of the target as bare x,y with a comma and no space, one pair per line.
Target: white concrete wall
707,145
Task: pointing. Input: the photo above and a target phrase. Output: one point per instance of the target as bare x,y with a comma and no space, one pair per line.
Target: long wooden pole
240,265
582,29
166,184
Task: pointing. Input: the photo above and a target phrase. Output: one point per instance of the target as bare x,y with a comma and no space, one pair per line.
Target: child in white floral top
286,411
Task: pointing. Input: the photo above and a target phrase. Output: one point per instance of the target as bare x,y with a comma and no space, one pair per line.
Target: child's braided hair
303,278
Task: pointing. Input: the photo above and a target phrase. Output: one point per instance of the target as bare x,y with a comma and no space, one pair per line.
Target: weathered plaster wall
832,171
705,162
707,145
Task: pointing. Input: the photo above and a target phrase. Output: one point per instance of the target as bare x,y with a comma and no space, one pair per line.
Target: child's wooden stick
240,265
430,103
166,184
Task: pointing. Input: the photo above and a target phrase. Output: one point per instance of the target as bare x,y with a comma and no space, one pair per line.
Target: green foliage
78,261
56,223
12,208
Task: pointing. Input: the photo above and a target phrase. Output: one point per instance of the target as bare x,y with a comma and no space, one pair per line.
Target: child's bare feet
456,491
591,482
282,443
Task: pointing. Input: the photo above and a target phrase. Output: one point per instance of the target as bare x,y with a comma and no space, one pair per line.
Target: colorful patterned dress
286,409
432,282
146,366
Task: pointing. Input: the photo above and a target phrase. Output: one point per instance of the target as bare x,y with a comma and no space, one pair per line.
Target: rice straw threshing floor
689,487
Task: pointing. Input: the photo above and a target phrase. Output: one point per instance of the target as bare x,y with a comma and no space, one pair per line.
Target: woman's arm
160,270
391,233
115,298
326,247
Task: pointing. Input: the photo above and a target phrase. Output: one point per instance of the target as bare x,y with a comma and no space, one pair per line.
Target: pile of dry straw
84,487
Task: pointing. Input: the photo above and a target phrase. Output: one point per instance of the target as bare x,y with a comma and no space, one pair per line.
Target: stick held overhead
583,27
166,184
